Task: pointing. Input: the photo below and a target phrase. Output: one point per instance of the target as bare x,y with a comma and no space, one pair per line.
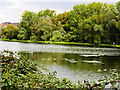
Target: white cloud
10,15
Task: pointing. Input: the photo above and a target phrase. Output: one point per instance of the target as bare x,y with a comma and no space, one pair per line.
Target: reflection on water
73,62
72,66
30,47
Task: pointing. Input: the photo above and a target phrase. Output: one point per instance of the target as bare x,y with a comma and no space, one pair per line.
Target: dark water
72,62
72,66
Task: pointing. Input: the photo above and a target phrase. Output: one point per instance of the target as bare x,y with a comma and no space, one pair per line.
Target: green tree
98,33
42,25
42,28
85,31
10,32
81,21
26,23
63,19
110,27
47,12
22,34
92,23
59,34
118,8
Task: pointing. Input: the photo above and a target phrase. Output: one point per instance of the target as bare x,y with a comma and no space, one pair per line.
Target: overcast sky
11,10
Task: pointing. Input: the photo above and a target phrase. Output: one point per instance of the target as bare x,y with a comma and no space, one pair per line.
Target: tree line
94,23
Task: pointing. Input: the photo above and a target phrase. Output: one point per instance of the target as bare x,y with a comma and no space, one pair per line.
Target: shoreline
62,43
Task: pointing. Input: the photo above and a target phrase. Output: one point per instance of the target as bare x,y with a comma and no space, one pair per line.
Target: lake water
70,61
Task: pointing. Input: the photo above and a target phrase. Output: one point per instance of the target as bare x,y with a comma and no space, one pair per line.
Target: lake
70,61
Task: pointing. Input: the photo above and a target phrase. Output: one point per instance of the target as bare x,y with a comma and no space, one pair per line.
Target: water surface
72,62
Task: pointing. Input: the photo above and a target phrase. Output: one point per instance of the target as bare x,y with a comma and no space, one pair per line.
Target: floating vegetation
104,70
93,62
70,60
92,55
99,70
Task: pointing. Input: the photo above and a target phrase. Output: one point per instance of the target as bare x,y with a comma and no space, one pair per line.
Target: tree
26,23
92,23
85,31
98,33
63,18
59,34
42,25
22,34
42,28
110,28
81,21
10,32
47,12
46,27
118,8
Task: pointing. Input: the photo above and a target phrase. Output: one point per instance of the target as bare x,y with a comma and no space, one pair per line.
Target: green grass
108,45
61,43
117,45
48,42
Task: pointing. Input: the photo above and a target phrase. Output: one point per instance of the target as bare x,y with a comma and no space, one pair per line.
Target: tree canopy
94,23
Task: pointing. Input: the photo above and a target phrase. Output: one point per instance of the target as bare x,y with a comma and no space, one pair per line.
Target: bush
33,38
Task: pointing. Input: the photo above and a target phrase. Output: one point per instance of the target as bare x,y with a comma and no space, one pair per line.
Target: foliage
22,34
10,32
46,13
44,28
94,23
1,33
25,25
85,19
42,25
59,34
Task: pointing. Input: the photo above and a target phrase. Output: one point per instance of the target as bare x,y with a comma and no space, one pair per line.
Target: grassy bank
61,43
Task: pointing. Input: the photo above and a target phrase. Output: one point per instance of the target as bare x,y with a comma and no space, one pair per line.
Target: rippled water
30,47
73,62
